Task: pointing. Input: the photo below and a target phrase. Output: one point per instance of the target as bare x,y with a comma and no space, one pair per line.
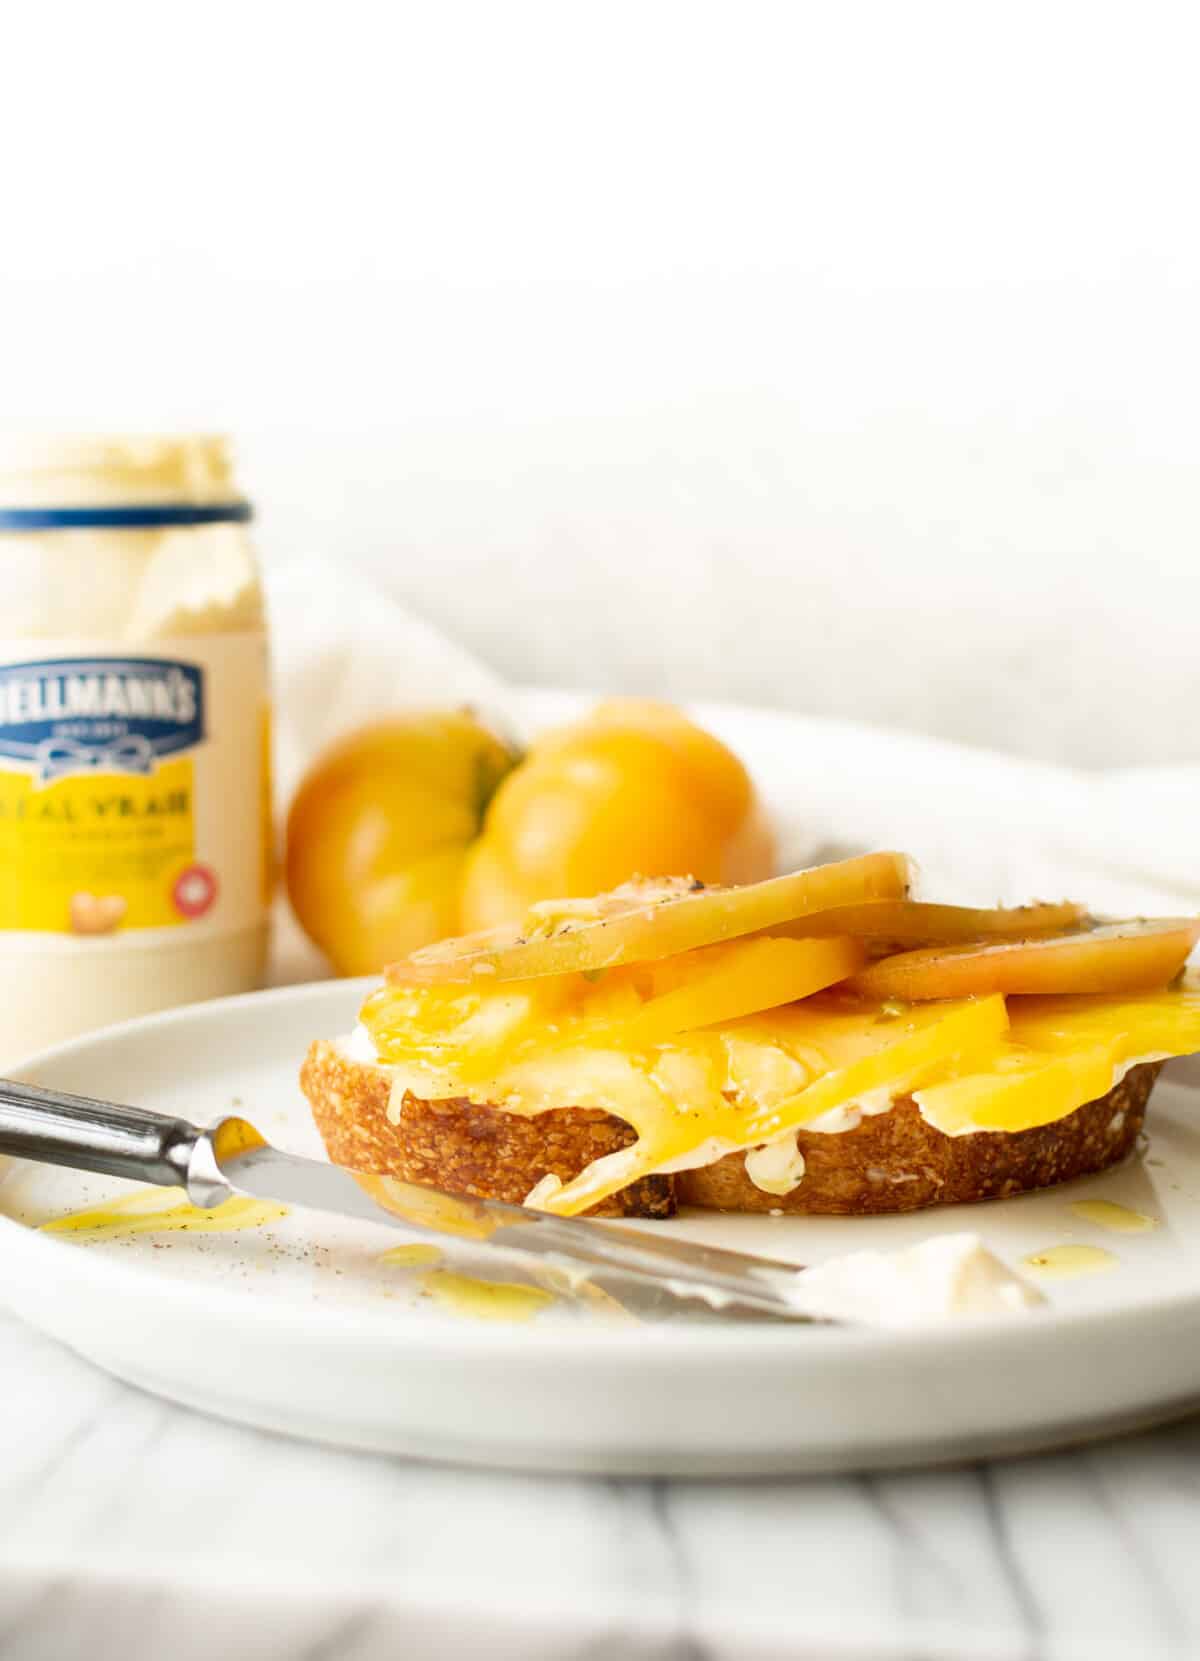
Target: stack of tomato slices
719,1019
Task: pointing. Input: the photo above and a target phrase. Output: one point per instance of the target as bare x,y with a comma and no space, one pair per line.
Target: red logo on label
195,890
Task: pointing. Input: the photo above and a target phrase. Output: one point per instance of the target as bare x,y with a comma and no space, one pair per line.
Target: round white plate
300,1328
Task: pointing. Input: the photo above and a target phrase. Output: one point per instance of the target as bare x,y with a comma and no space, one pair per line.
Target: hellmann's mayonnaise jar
135,853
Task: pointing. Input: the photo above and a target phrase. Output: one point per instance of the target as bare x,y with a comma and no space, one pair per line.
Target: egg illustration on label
96,913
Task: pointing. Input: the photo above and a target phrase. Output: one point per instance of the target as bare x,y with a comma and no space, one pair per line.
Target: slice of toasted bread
891,1161
461,1147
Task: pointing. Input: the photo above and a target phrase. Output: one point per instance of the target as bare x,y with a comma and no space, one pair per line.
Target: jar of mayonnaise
135,848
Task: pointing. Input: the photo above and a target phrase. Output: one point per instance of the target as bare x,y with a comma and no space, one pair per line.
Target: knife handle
88,1135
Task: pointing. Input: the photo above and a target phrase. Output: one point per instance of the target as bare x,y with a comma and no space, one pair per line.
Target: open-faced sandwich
815,1043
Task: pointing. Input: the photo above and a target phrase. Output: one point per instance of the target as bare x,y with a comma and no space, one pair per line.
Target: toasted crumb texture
462,1147
891,1162
896,1162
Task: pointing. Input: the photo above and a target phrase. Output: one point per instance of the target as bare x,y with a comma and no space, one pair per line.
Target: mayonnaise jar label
134,788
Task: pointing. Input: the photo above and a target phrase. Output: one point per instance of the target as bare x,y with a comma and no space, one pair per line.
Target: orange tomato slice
902,923
644,921
745,978
1119,957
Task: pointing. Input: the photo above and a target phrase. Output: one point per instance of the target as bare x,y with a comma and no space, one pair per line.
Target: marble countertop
133,1529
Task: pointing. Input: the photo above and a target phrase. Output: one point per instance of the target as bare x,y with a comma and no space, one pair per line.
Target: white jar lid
55,471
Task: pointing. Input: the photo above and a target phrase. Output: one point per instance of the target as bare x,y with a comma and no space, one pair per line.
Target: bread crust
462,1147
890,1162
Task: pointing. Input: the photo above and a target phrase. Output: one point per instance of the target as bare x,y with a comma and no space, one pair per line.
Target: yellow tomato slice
902,923
645,921
1019,1090
1120,957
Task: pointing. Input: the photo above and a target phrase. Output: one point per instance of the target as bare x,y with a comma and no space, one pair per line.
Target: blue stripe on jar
142,516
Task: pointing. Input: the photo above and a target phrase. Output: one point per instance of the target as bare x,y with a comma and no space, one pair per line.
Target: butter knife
232,1157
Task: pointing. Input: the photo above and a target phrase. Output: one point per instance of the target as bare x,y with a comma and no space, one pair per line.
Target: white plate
299,1328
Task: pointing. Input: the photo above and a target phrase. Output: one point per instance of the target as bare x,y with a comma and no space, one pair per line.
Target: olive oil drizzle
1068,1262
163,1211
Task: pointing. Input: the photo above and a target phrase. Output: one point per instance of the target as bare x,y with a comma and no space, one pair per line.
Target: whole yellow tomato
378,833
633,789
424,826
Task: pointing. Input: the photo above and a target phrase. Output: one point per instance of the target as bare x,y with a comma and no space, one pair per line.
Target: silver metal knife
232,1157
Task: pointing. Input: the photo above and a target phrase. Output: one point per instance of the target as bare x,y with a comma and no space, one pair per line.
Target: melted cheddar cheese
1060,1052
